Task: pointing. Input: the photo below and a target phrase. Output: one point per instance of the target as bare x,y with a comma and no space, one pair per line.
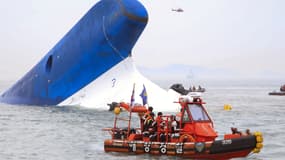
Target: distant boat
279,93
178,10
180,89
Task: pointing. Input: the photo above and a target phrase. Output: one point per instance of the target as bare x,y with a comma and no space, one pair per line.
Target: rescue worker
147,114
158,126
158,119
174,124
235,131
148,124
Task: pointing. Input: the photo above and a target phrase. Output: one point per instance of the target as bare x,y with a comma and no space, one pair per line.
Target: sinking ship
92,64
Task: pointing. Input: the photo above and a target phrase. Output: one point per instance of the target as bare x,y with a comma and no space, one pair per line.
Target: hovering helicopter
178,10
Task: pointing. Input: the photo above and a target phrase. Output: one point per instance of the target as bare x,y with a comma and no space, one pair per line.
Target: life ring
163,148
146,149
186,138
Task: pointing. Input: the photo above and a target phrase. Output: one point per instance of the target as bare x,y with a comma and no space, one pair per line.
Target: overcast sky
246,36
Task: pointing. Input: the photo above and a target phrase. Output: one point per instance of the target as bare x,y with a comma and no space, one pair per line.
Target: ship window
198,114
49,64
185,116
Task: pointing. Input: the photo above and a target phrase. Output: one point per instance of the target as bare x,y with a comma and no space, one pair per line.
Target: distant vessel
281,92
178,87
177,9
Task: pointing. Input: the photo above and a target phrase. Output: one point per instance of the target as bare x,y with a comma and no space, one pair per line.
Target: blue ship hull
101,39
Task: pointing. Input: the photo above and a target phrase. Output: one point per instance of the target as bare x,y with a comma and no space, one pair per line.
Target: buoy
259,145
259,140
257,133
256,150
117,110
227,107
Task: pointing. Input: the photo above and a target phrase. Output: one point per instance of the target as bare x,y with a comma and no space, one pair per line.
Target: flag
144,95
133,96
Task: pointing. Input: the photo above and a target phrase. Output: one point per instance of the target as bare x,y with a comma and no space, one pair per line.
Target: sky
246,37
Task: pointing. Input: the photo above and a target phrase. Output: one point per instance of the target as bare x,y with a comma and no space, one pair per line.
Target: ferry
189,134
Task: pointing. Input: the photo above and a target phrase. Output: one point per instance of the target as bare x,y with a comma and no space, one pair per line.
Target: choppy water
65,133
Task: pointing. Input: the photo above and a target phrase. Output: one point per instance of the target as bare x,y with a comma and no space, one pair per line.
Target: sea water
75,133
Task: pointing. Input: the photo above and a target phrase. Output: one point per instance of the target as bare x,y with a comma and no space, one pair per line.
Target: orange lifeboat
189,134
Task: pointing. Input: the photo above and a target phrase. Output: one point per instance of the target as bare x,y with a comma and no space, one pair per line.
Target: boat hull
281,93
219,149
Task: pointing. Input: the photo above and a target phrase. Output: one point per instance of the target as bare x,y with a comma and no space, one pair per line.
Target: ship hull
103,38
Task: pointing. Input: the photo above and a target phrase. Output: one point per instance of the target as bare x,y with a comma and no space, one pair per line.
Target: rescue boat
193,136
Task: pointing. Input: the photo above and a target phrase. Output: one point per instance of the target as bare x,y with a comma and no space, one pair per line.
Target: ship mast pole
131,107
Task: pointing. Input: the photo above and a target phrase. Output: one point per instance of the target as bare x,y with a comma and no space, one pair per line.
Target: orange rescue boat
193,136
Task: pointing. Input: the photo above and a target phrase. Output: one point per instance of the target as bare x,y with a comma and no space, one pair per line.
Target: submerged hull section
116,85
101,39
